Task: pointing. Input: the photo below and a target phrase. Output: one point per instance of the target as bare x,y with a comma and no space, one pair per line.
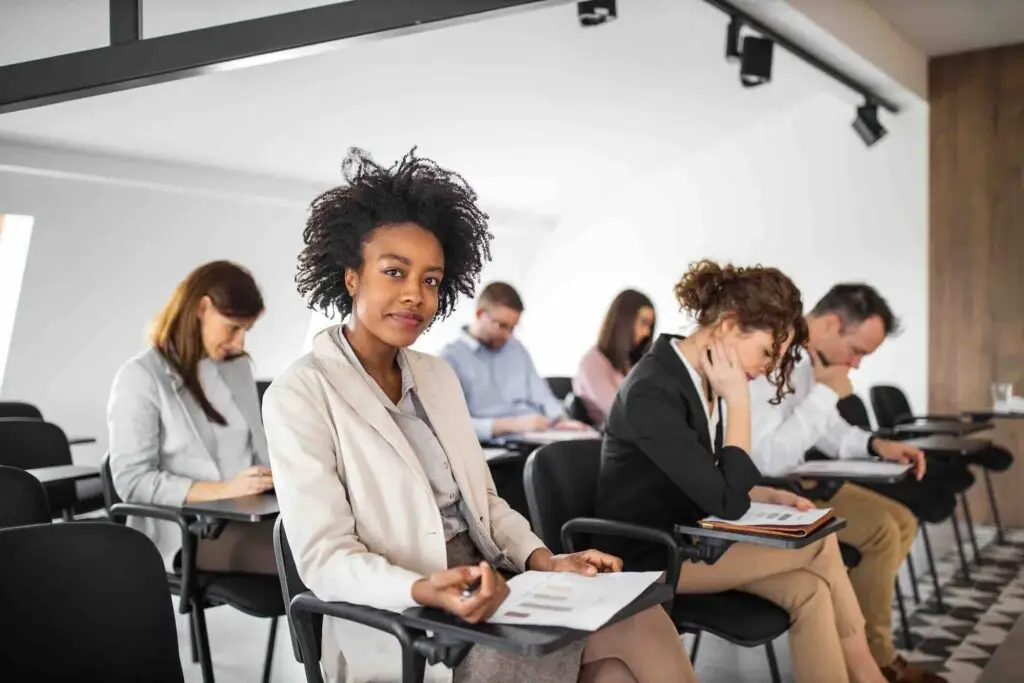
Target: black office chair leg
192,641
969,519
965,570
773,666
908,638
913,578
695,647
414,665
931,567
203,641
268,662
1000,538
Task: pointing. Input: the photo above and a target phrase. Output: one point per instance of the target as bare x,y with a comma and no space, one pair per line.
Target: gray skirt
485,665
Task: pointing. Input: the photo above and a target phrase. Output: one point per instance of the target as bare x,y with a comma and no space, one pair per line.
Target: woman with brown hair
676,450
624,338
184,418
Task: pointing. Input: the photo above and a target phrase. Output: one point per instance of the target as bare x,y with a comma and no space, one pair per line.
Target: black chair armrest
304,605
188,541
910,419
605,527
822,489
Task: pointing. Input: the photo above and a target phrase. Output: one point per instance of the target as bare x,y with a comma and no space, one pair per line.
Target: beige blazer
357,506
161,440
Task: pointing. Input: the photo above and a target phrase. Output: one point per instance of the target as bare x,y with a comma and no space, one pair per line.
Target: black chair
560,386
261,388
853,410
577,410
892,408
85,602
22,499
306,615
20,409
253,594
561,486
30,443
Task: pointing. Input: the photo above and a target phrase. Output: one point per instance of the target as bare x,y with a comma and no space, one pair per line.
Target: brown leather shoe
902,672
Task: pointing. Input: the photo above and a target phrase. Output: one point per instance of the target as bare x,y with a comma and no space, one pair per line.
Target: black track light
755,57
596,12
867,125
756,61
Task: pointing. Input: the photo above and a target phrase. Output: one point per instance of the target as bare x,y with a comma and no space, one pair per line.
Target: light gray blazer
161,441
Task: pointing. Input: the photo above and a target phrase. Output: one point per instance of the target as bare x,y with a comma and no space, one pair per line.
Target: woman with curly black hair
676,449
383,488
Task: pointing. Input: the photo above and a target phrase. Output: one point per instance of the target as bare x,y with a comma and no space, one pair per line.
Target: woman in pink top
625,335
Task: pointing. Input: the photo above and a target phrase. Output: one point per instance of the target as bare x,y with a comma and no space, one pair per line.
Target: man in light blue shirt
504,393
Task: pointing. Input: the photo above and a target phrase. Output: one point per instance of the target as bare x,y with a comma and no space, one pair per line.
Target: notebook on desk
555,435
852,468
772,520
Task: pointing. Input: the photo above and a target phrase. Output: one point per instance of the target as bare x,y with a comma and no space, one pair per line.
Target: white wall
798,190
107,251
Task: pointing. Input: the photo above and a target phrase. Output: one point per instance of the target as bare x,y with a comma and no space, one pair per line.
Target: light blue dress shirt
501,383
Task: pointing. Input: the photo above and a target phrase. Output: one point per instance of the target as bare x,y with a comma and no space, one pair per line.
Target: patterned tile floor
958,642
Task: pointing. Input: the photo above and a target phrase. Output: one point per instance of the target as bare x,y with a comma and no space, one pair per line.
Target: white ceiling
531,108
942,27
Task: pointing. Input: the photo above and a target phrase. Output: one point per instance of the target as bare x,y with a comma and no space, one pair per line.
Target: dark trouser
933,498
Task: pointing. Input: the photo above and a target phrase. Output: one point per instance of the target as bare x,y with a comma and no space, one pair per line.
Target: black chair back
291,585
560,386
577,410
261,388
22,499
85,602
853,410
890,405
20,409
561,484
110,497
31,443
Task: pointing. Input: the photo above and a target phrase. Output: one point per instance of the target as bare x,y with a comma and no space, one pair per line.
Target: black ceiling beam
125,21
136,63
801,53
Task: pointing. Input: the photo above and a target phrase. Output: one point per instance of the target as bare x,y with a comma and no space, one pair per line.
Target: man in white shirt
848,324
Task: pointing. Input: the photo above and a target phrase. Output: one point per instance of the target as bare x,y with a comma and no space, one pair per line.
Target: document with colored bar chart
570,600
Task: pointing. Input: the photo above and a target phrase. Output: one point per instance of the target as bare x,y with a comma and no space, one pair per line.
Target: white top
698,382
412,420
234,450
781,435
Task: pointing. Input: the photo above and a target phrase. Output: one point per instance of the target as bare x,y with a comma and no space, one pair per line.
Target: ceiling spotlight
596,12
755,58
756,61
866,124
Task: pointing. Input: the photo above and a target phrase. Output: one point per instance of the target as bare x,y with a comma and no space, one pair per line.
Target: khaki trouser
811,584
883,530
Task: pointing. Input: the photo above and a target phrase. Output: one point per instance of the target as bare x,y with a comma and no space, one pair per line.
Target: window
15,234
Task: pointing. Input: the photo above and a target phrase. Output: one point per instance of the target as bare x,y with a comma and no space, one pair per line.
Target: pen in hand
472,588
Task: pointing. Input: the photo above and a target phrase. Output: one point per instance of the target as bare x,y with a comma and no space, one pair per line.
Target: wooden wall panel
976,255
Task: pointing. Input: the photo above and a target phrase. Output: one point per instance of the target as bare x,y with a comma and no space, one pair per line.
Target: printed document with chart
570,600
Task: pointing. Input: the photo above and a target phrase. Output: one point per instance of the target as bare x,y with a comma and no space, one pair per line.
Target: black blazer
658,465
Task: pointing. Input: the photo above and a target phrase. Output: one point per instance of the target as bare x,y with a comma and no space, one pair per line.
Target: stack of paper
554,435
570,600
853,468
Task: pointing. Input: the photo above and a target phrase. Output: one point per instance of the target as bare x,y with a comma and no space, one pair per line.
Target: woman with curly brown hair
676,450
384,491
